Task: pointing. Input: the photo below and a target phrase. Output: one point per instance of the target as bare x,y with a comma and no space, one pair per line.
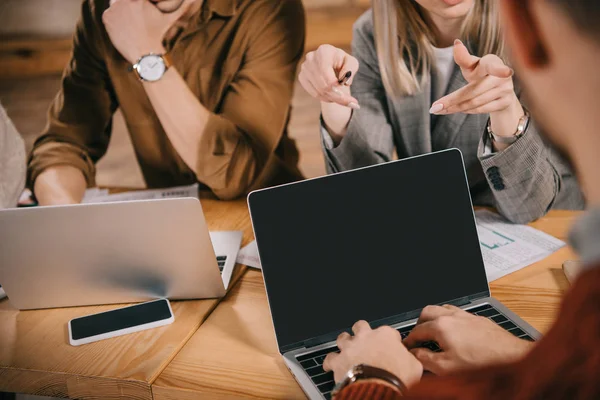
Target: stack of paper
96,195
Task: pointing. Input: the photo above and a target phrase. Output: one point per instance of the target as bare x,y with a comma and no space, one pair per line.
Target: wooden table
36,358
234,353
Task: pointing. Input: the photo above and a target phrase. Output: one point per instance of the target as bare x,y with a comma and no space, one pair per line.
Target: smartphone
121,321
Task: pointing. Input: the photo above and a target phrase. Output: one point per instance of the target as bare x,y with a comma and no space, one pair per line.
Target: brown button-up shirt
239,57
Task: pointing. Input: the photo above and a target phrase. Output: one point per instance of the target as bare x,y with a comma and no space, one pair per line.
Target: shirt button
499,186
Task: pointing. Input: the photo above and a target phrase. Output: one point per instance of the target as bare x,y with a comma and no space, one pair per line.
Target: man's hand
381,348
137,27
59,185
467,341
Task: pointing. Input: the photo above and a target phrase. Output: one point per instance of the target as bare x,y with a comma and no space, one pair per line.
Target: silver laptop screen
367,244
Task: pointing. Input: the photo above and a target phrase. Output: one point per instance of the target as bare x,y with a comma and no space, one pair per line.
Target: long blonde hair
404,38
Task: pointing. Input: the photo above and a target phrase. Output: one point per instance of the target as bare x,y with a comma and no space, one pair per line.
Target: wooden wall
35,34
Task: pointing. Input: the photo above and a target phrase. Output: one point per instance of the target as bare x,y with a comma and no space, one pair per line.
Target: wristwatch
151,67
521,129
363,371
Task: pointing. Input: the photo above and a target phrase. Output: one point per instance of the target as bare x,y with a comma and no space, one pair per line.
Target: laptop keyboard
221,262
312,363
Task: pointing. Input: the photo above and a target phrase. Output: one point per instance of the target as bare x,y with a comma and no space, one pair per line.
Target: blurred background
35,43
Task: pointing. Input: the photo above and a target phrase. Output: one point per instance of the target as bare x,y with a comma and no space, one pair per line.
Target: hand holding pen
327,74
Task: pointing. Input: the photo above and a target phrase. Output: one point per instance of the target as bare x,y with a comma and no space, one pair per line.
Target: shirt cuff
488,148
327,140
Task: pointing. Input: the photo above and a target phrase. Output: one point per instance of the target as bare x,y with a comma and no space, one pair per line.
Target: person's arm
528,178
61,184
228,149
351,137
79,121
525,178
563,365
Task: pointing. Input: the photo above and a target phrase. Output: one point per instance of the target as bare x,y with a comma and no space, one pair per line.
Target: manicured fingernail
337,91
353,106
512,72
457,41
436,108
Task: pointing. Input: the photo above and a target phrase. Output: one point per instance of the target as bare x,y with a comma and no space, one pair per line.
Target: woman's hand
326,74
490,90
323,72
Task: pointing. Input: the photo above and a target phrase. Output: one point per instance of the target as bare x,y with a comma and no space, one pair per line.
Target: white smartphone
121,321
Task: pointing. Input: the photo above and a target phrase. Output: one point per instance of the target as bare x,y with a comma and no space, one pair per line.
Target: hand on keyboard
466,340
381,348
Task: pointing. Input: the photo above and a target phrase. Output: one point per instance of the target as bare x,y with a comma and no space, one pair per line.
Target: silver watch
151,67
521,129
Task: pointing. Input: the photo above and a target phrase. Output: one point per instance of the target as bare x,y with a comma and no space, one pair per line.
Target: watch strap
521,129
167,60
363,371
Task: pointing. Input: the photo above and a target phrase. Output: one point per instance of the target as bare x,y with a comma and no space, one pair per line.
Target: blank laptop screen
367,244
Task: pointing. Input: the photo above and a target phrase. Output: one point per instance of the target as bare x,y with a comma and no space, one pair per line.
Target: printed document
507,247
248,255
96,195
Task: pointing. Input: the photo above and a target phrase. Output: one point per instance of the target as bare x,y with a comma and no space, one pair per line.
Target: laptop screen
367,244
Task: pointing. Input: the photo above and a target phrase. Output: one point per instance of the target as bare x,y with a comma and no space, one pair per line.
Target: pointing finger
463,58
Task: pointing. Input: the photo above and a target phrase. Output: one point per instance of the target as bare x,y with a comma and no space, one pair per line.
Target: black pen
345,78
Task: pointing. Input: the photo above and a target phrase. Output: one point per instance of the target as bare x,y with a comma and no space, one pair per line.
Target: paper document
96,195
248,255
507,247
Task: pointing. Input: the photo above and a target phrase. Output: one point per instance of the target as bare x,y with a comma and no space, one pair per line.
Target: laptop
378,243
108,253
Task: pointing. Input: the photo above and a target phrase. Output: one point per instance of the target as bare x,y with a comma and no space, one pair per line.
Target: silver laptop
110,253
377,243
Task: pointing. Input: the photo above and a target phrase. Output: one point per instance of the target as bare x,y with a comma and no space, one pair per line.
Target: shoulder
364,27
363,38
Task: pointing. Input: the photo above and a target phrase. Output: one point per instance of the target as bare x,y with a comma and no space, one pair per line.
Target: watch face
151,67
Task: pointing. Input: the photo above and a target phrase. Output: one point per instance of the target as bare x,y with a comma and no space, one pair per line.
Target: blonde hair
404,37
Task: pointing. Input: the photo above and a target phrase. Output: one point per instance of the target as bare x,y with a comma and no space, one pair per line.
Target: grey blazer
522,182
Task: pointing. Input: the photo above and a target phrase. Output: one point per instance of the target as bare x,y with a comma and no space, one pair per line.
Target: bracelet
521,129
363,371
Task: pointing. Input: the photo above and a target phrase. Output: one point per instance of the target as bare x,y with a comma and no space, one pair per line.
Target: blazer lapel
414,135
447,126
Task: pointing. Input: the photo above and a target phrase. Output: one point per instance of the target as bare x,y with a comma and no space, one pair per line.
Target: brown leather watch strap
168,60
362,371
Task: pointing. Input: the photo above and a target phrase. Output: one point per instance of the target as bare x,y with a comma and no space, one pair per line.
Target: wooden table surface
36,357
234,353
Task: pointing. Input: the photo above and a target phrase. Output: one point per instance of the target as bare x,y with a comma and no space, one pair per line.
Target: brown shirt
239,57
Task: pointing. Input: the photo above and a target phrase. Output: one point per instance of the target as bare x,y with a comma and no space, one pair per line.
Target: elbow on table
230,176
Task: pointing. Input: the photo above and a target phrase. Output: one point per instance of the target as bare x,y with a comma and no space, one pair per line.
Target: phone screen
122,318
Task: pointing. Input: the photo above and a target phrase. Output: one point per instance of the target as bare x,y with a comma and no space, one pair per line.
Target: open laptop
109,253
377,243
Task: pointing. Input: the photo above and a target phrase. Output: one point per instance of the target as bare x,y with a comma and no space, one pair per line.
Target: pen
345,79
